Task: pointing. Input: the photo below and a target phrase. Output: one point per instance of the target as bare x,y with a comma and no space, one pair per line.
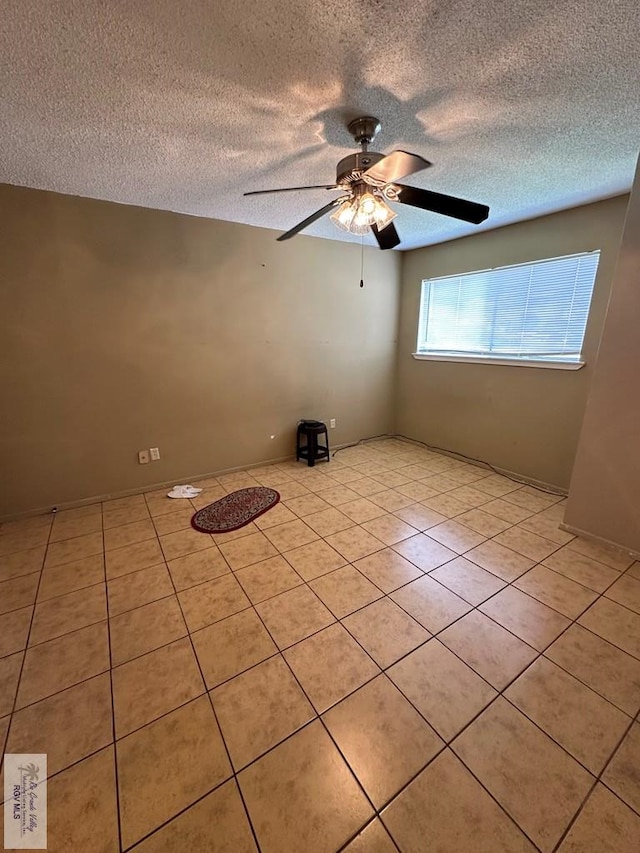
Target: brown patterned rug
235,510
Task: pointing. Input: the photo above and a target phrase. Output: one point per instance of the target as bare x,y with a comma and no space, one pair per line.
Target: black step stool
312,451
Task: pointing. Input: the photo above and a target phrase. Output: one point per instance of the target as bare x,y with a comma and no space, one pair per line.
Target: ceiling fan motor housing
351,167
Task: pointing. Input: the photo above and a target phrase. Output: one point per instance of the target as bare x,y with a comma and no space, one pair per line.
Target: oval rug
235,510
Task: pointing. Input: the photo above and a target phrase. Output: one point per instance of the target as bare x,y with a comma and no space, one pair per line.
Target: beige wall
604,498
125,328
524,420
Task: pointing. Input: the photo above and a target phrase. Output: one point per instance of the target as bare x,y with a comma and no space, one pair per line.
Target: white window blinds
533,311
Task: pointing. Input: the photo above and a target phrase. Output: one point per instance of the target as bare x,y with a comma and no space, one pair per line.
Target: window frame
506,359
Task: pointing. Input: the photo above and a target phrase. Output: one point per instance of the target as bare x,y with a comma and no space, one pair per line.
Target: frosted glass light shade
358,214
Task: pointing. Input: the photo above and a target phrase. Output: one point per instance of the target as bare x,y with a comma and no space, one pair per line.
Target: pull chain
362,261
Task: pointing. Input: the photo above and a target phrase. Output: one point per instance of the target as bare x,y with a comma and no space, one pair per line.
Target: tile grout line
318,715
111,694
12,710
182,811
446,745
598,780
572,621
511,524
338,621
283,554
540,653
428,572
448,749
387,546
215,717
371,822
500,693
533,722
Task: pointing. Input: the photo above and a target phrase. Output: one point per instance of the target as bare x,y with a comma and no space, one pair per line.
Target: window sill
511,362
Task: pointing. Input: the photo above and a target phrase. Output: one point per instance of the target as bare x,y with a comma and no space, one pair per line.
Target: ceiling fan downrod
364,130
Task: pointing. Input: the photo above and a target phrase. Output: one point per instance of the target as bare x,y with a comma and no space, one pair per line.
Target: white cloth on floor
184,492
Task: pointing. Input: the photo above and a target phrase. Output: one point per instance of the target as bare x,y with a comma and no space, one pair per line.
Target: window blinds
529,311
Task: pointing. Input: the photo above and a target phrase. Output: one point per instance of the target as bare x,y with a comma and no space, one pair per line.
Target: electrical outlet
143,457
332,423
155,454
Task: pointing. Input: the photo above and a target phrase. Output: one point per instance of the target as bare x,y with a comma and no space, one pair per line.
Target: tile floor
406,653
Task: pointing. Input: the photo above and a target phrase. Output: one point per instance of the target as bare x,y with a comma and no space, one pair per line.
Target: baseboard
511,475
531,481
124,493
150,487
569,528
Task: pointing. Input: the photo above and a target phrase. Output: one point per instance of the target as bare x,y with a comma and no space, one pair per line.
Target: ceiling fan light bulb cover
359,227
368,204
383,215
343,216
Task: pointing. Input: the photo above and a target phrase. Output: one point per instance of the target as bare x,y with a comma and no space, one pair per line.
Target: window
535,312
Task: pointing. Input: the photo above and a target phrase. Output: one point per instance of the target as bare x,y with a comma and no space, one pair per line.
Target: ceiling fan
367,181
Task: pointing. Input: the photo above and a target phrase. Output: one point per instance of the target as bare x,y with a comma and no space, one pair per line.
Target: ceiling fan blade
447,205
396,165
388,237
310,219
293,189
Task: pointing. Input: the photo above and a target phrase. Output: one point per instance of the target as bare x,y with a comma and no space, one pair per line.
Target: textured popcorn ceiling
528,106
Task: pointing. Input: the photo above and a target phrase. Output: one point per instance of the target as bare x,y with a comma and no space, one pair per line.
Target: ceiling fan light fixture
350,217
343,216
358,214
367,204
368,180
359,226
384,214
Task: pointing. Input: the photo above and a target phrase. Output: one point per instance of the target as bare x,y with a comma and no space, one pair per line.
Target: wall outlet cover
155,453
143,457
